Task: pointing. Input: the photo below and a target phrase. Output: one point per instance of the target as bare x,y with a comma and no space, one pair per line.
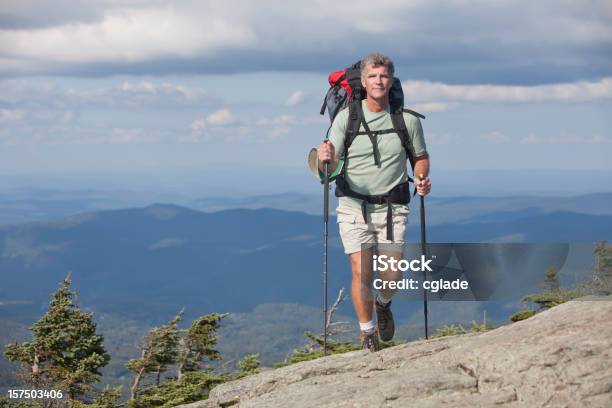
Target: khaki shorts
354,232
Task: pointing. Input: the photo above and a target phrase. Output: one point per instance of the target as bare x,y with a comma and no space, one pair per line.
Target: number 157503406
35,394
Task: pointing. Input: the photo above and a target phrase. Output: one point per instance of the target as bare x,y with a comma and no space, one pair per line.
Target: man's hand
423,185
327,153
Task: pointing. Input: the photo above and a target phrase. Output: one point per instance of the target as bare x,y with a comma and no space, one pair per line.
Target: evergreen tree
602,275
249,365
198,343
107,398
65,352
194,386
159,350
167,345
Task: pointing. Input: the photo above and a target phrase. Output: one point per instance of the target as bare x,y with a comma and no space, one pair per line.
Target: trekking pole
424,253
325,222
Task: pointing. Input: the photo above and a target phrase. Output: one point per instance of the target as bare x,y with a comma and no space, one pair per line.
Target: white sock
367,327
382,300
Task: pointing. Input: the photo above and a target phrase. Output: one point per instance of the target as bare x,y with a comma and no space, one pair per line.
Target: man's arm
421,165
421,173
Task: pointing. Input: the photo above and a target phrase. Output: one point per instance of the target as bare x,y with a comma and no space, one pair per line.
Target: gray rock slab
558,358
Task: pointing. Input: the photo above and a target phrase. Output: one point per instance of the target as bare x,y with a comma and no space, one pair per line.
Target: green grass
555,298
522,315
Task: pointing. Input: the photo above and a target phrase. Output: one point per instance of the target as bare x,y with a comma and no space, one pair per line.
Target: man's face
377,81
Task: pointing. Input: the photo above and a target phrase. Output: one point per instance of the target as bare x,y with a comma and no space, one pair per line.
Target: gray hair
377,59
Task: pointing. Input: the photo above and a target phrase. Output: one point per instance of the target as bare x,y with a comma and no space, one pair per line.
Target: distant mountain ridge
237,257
162,250
537,226
441,209
35,205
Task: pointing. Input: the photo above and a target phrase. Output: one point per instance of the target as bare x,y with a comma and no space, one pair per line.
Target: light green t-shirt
362,173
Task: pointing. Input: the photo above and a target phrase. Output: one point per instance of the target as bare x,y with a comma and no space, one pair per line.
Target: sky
229,92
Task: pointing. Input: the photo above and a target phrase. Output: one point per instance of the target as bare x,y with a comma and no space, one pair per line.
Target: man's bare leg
361,284
391,274
361,290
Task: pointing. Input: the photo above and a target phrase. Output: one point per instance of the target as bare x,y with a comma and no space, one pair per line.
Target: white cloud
568,139
432,107
198,125
140,94
11,115
434,138
132,34
295,98
214,127
582,91
45,116
495,136
40,36
23,14
164,89
279,132
127,135
198,132
220,118
126,93
277,120
20,91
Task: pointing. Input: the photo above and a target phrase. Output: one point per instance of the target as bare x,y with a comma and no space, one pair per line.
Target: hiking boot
369,340
384,317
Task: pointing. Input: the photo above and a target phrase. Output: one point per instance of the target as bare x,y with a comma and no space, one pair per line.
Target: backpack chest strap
378,132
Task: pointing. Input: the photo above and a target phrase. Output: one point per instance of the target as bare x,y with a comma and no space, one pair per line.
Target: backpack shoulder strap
399,124
356,115
352,126
414,113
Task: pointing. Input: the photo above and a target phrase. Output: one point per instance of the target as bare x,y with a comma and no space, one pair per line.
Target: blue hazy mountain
532,225
441,209
165,253
229,260
34,204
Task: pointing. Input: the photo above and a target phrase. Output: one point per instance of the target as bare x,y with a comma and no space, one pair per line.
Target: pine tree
602,274
107,398
65,352
194,380
249,365
159,350
198,343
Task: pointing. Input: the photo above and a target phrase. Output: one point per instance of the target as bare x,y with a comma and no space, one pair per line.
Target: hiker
373,190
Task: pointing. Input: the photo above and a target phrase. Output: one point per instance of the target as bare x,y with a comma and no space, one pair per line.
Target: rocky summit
559,358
